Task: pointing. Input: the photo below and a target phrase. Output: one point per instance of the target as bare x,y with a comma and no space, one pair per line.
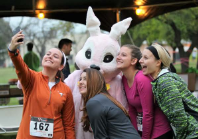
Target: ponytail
60,75
172,68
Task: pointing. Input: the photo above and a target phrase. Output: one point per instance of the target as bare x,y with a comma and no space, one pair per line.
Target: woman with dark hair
48,109
108,118
145,114
171,92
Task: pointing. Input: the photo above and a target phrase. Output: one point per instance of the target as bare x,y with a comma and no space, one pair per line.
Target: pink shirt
141,100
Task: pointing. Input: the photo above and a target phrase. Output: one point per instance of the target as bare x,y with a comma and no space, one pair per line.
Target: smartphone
15,31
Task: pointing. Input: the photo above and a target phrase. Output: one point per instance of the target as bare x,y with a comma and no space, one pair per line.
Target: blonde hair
163,55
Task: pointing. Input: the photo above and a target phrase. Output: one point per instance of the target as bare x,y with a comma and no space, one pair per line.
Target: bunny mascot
101,50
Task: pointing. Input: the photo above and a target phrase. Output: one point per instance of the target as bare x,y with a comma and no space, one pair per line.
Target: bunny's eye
108,58
88,54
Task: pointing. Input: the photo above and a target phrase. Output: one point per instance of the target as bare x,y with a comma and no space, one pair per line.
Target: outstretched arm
23,72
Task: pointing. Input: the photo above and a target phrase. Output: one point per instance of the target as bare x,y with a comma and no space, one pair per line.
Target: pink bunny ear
120,28
92,23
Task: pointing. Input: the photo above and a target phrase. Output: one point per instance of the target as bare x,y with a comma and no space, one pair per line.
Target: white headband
64,58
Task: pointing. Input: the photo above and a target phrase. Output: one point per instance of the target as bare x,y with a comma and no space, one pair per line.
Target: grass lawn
8,136
5,75
13,101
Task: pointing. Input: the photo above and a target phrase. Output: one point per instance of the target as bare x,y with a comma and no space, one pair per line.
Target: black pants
167,135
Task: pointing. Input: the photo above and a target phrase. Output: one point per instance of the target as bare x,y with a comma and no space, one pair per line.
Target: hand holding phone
15,31
16,39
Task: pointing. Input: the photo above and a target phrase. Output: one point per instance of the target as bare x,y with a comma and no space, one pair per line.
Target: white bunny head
101,49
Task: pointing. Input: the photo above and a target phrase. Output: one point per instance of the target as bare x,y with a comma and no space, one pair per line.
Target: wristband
14,51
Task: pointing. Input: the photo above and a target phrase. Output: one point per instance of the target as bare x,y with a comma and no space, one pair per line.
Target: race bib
41,127
139,121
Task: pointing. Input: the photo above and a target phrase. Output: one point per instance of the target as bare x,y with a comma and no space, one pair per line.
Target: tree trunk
197,60
183,58
174,55
183,55
194,44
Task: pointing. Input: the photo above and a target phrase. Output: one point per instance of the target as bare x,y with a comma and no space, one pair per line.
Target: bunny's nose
93,66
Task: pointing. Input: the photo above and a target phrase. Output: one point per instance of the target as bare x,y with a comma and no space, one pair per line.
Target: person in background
31,59
48,109
102,113
171,92
145,114
65,45
33,62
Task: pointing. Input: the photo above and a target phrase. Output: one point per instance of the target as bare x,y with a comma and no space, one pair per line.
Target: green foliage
150,30
192,70
170,28
158,28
